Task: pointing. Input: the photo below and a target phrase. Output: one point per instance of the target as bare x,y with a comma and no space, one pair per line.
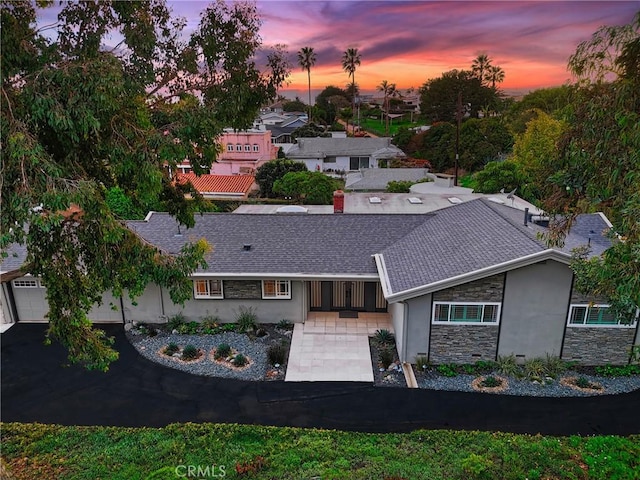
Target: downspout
124,320
405,314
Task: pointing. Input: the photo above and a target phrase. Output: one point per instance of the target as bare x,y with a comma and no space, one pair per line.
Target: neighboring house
343,154
465,283
221,187
377,179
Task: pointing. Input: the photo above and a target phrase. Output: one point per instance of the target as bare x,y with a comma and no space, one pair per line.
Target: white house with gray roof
343,154
464,283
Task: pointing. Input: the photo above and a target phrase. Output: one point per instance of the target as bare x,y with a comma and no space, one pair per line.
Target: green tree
599,164
296,105
310,130
438,146
498,176
306,60
350,61
388,90
483,140
78,120
274,170
494,75
312,188
439,96
330,101
480,66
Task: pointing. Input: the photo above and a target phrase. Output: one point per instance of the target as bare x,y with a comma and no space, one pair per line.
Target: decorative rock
128,327
174,331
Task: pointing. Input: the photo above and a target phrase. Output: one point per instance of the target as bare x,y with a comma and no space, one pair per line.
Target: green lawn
376,126
48,451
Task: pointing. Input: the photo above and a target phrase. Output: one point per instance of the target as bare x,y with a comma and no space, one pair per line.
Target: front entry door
346,295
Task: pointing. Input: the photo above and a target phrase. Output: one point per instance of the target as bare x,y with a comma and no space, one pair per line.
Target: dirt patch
571,382
477,385
199,358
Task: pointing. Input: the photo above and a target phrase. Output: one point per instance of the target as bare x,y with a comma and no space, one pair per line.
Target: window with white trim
466,313
26,283
256,147
238,148
276,289
211,288
595,316
247,148
230,147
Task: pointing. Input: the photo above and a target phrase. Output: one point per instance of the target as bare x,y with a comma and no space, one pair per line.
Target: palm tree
480,66
389,90
307,59
351,60
495,75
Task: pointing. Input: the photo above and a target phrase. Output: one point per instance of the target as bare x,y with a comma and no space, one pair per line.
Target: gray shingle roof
294,244
322,147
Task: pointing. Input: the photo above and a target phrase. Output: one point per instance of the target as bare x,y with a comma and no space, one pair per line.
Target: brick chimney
338,201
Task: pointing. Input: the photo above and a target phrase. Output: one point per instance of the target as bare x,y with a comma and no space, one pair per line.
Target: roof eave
549,254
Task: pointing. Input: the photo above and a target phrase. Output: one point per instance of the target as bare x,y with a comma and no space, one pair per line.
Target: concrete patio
329,348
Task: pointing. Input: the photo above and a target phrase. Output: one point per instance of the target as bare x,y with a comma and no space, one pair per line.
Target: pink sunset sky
408,42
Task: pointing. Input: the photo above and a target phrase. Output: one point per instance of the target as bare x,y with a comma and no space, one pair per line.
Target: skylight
414,200
454,200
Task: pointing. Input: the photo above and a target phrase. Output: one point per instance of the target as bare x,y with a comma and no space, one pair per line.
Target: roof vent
454,200
246,247
414,200
292,209
375,200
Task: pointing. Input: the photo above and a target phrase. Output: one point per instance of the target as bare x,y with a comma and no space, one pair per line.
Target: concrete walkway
329,348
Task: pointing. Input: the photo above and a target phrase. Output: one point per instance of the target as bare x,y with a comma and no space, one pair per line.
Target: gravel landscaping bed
392,376
551,388
255,349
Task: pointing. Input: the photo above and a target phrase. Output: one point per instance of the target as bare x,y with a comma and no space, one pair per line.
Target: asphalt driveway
37,386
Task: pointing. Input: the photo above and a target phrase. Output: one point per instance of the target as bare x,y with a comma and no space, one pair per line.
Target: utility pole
458,119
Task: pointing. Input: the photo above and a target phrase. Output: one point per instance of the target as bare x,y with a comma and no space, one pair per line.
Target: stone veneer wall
489,289
242,289
598,345
577,297
463,343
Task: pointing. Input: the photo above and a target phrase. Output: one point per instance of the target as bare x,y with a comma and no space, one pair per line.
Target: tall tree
78,120
599,163
350,61
306,60
480,66
388,90
494,75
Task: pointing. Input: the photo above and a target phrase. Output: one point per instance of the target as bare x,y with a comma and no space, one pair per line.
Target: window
595,316
230,147
466,313
238,148
207,289
26,283
256,147
276,289
330,160
247,148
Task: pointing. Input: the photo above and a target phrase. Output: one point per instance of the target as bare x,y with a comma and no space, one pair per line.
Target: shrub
399,186
190,328
210,323
583,382
618,370
189,352
447,370
535,368
246,319
507,366
468,369
285,324
385,357
222,351
240,360
484,366
171,349
477,466
555,366
384,337
175,321
422,363
491,382
277,354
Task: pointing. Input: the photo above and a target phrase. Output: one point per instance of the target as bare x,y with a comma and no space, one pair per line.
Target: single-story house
468,282
343,154
220,187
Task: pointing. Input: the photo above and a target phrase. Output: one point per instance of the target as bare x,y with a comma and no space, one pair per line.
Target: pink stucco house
243,153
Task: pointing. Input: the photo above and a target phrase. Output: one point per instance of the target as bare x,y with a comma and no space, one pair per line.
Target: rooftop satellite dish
511,193
502,190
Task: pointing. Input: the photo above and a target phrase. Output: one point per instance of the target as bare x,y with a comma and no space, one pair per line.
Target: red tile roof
223,184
